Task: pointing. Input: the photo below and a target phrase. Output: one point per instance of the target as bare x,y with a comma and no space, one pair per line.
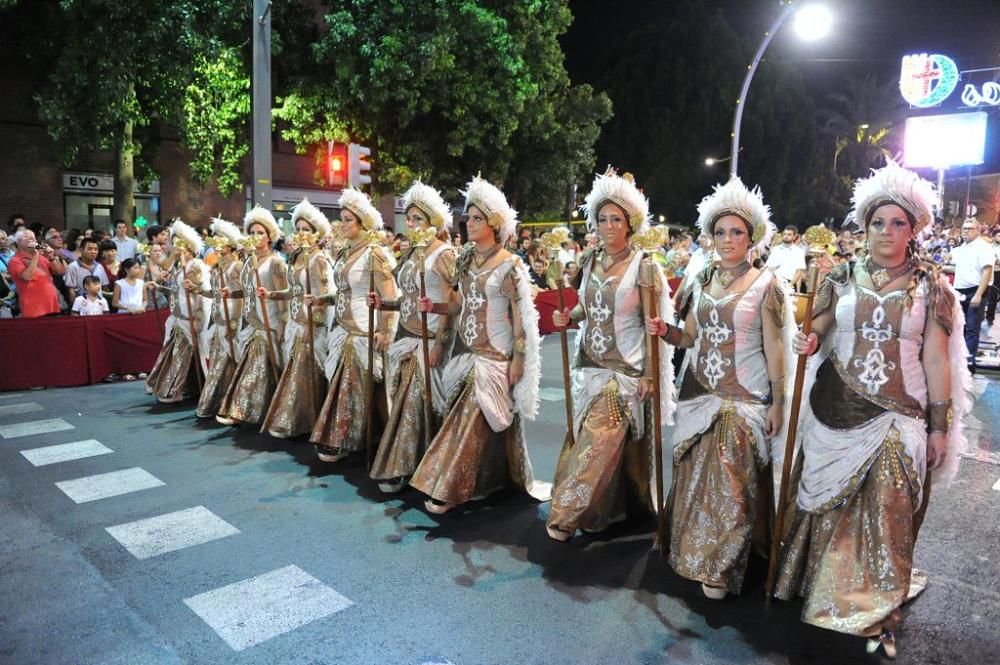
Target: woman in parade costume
405,438
612,368
300,391
259,341
732,395
174,376
225,324
492,377
885,406
341,426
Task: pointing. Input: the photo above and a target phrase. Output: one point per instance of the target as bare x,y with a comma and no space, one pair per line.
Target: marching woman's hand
937,449
515,370
805,345
560,319
225,291
645,390
656,326
374,300
262,292
381,342
425,305
773,420
434,355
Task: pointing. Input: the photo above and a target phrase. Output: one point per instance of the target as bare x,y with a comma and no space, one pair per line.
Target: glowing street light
812,22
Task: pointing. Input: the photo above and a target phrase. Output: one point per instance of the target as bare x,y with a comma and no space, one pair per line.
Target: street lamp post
260,183
812,22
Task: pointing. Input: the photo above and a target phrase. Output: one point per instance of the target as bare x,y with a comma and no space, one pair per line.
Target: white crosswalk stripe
34,427
106,485
65,452
12,396
255,610
17,409
158,535
996,485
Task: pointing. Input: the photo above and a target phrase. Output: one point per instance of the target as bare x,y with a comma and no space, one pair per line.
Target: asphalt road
227,546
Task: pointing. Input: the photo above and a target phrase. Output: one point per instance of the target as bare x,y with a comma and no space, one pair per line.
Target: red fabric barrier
547,302
77,350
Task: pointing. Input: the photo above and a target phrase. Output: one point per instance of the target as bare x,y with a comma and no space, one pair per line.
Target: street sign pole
260,184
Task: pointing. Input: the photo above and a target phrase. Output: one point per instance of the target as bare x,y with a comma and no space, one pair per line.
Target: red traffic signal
336,164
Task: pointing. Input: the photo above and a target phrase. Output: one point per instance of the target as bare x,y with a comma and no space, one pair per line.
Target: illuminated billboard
943,141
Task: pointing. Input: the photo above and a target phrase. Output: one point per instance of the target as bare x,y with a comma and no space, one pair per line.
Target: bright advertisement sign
943,141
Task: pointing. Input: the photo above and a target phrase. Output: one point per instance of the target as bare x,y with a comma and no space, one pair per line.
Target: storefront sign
99,183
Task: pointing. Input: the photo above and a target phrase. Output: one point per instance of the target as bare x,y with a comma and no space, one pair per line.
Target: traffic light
358,166
336,167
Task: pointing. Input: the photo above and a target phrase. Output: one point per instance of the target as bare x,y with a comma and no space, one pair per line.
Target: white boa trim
526,391
961,397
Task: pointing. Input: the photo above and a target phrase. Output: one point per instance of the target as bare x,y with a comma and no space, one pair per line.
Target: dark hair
125,266
153,231
72,236
88,240
16,215
106,246
791,227
119,221
91,279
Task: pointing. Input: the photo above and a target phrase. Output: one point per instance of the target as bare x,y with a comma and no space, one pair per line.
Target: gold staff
554,240
421,238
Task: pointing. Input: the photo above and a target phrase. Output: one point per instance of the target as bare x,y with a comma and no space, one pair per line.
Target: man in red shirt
32,270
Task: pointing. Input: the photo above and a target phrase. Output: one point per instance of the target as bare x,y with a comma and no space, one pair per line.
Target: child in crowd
91,303
129,290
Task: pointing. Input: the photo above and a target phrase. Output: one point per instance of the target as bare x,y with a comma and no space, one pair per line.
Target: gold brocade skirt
852,564
296,402
220,374
718,506
404,440
173,376
343,417
253,384
466,459
601,471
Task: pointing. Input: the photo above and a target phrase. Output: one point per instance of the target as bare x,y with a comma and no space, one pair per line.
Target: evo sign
99,183
928,79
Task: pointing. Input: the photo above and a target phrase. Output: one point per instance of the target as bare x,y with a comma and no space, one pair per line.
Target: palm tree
864,121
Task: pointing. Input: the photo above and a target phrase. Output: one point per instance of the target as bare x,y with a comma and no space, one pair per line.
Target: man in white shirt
788,260
993,295
127,247
973,273
702,255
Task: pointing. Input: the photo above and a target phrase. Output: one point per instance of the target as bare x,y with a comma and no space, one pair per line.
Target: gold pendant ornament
881,276
480,258
729,275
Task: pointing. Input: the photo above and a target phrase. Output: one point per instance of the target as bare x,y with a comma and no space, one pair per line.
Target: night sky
868,36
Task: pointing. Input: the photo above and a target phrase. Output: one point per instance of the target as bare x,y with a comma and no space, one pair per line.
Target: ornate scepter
652,239
218,244
196,352
421,238
373,245
819,239
554,240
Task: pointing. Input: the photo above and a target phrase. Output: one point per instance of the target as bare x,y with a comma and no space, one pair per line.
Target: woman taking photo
731,399
885,407
612,373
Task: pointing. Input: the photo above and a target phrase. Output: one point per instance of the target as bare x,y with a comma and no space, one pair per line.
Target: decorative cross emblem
475,299
599,341
874,365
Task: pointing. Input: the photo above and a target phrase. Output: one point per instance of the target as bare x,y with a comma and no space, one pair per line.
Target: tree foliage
447,88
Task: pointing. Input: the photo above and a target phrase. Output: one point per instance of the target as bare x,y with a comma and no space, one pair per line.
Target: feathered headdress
313,216
894,184
620,190
429,201
226,230
179,231
358,203
262,216
734,198
491,201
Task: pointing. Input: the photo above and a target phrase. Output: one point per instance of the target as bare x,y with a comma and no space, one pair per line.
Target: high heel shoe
887,641
437,507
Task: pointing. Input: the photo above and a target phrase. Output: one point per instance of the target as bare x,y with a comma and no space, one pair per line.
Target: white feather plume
620,190
358,203
492,202
735,198
190,237
223,229
313,216
894,183
262,216
430,202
